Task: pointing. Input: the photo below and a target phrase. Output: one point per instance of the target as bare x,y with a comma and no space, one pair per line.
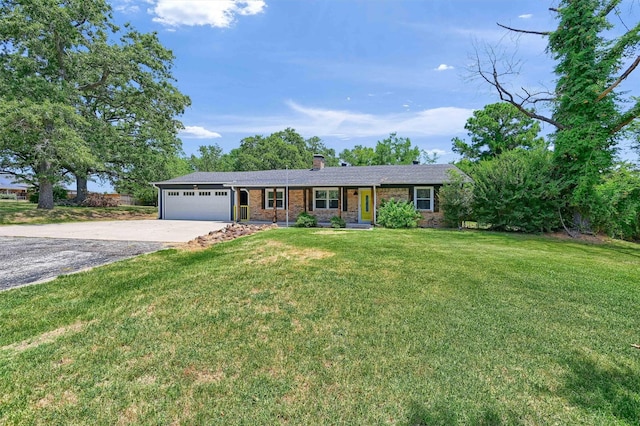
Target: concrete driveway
163,231
36,253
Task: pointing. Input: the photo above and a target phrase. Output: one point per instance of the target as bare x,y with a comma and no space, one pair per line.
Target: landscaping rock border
228,233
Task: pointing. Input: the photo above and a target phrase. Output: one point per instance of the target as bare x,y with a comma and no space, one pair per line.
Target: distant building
8,185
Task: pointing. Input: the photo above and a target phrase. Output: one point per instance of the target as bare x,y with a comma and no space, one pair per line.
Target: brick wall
430,219
398,194
297,206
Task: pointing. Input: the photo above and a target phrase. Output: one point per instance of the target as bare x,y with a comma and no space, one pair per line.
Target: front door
366,204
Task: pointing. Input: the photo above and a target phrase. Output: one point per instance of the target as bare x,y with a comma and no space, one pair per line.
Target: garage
193,204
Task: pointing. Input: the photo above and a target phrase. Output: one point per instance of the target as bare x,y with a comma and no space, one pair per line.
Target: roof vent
416,162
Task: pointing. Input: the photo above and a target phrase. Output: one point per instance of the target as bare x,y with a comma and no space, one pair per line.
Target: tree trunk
81,187
45,198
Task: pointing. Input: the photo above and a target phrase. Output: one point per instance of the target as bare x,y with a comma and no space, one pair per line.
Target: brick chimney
318,162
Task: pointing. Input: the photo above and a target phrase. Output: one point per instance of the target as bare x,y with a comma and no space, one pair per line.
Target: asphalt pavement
33,260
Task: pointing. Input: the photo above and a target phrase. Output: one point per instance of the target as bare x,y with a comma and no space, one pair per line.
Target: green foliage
210,159
305,220
8,196
516,191
136,181
495,129
59,194
280,150
587,108
79,96
392,150
456,199
338,222
398,214
618,209
595,53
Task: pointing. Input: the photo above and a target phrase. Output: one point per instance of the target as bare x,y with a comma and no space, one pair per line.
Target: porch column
275,205
375,205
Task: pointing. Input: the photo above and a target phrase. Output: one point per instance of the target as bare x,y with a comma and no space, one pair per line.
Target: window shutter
344,200
411,194
264,195
311,199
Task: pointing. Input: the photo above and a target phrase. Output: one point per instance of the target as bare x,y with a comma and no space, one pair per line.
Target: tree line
574,180
288,149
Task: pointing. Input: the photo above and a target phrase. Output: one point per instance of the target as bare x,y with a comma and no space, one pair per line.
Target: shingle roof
7,182
419,174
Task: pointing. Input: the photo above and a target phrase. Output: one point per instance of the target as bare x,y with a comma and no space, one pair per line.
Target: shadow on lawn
443,414
598,388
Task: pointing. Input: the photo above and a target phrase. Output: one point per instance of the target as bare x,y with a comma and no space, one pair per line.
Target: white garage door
209,204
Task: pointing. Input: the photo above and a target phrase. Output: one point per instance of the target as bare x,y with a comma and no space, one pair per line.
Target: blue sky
348,71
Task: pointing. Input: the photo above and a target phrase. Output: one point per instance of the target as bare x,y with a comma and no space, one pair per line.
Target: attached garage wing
208,204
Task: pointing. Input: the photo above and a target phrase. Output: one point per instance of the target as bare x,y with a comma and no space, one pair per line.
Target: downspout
159,200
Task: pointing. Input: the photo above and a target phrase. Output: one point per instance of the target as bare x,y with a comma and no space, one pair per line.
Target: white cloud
525,16
345,124
216,13
443,67
197,132
126,6
436,151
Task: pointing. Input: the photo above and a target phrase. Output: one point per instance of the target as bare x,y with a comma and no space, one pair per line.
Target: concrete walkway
164,231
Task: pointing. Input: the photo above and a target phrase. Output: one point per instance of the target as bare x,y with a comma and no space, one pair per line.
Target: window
326,198
423,197
221,193
279,198
189,193
173,193
205,193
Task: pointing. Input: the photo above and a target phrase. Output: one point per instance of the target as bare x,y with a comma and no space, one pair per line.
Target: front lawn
19,212
308,326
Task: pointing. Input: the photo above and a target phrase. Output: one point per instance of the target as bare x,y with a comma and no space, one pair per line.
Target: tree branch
542,33
608,8
626,118
505,95
624,75
98,83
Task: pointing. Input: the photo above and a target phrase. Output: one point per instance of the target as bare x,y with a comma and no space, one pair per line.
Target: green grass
301,326
18,212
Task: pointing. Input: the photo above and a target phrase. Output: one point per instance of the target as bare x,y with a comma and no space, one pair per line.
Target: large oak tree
79,95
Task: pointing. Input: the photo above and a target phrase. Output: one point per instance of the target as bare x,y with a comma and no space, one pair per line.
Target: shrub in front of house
8,197
338,222
305,220
456,198
398,214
